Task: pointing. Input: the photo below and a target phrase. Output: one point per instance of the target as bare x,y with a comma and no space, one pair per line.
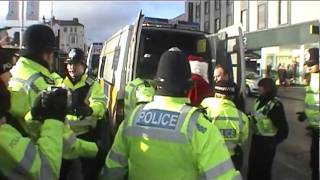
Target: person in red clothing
201,87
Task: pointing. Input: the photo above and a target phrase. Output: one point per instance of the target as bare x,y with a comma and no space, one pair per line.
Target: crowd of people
175,125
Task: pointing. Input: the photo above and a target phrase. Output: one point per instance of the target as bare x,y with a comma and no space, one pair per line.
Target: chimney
76,20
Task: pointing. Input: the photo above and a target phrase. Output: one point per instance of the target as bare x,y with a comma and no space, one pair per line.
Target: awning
284,35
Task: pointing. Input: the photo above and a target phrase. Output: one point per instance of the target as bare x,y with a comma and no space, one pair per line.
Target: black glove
301,116
50,104
83,111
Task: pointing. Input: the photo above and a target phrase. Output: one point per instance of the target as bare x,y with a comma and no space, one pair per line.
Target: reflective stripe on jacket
94,97
166,139
137,91
264,125
232,123
311,101
21,158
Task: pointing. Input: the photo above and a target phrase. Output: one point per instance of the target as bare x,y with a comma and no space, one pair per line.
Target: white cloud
101,18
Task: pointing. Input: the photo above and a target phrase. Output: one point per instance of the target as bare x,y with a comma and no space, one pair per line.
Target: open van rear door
227,49
133,46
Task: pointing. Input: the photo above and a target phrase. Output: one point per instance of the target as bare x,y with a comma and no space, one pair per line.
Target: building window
228,2
217,4
75,29
207,7
207,26
229,20
283,12
244,20
198,11
71,29
217,25
262,16
190,15
73,40
65,29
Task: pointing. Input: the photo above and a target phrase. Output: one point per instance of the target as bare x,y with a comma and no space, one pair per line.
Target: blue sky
101,18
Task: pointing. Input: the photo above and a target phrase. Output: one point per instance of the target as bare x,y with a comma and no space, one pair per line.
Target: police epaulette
90,80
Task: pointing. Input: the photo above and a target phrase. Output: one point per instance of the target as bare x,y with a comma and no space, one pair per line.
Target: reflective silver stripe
67,143
29,84
218,170
240,121
162,135
231,144
137,112
192,123
312,106
122,160
22,81
99,99
227,118
20,171
45,170
238,177
183,114
113,173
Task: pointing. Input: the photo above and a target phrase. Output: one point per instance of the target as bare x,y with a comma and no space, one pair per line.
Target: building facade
279,31
70,34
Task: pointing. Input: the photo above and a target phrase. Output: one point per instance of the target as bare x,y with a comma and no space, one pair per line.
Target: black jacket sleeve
239,99
278,118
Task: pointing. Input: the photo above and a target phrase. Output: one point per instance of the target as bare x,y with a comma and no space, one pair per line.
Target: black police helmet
37,39
225,87
75,55
173,75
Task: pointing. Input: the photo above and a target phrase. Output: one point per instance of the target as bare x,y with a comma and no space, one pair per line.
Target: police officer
32,73
141,89
270,128
311,109
232,123
22,158
88,107
167,139
221,73
30,76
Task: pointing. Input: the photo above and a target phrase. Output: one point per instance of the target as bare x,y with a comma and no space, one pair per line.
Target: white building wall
303,11
273,14
253,15
236,12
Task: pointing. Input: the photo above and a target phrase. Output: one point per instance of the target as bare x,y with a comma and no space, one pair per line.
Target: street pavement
292,157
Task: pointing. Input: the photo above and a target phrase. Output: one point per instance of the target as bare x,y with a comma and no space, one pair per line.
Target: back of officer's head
173,76
38,39
224,89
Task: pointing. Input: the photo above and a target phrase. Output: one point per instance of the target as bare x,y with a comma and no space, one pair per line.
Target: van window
103,61
115,60
154,42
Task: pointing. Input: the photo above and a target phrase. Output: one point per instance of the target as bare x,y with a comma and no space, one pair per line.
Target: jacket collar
163,99
68,83
34,65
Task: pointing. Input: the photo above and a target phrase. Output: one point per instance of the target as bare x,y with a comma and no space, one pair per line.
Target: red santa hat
198,66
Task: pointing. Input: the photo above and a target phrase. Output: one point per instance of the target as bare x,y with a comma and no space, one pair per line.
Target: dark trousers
314,155
261,157
88,168
237,158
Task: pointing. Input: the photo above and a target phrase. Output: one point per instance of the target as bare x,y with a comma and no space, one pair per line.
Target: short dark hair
225,71
269,86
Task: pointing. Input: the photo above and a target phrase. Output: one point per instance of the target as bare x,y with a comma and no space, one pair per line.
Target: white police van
122,52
